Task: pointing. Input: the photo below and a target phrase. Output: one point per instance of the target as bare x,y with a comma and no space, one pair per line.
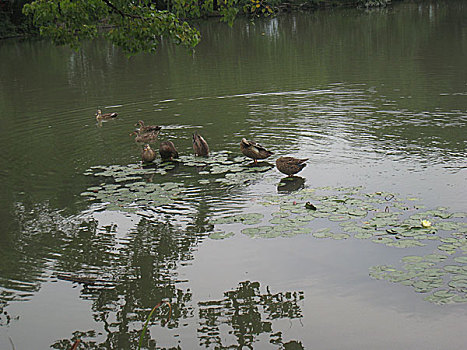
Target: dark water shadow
291,184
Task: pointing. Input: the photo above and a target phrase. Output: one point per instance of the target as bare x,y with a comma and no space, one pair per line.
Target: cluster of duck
148,134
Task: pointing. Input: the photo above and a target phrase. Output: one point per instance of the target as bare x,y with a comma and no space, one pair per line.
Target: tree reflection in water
242,310
125,276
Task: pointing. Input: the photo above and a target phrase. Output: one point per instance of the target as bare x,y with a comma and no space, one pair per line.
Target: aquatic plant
143,331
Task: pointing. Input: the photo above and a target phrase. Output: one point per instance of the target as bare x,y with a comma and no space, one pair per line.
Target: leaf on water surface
382,240
280,214
318,214
358,212
418,265
322,233
449,226
434,258
423,287
221,235
279,220
339,236
381,271
405,243
412,258
461,259
456,269
363,235
250,231
88,194
302,230
448,248
459,285
451,240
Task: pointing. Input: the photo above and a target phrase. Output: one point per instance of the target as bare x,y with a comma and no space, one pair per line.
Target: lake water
91,241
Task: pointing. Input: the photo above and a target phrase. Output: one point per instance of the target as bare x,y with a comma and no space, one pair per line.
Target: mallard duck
147,137
167,150
290,165
105,116
200,146
254,150
148,154
147,128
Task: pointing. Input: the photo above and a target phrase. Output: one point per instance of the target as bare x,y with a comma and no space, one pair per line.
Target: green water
373,99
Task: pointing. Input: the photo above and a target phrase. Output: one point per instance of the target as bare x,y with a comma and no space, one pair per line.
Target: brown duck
105,116
147,137
290,165
200,146
147,128
148,154
254,150
167,150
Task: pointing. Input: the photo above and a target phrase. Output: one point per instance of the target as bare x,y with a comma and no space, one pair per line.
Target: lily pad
461,259
221,235
323,233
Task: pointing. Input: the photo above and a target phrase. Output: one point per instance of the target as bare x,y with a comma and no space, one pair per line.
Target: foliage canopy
134,25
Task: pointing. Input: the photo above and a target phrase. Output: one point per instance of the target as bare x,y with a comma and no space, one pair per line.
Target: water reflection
125,276
247,313
322,85
291,184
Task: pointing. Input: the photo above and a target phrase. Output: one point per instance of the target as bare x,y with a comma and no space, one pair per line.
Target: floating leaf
339,236
434,258
461,259
322,233
221,235
459,285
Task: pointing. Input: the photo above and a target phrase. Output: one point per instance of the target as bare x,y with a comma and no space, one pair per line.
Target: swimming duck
147,128
105,116
167,150
148,154
200,146
147,137
290,165
254,150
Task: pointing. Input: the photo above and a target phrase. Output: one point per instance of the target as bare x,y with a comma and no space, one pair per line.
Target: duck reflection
291,184
261,164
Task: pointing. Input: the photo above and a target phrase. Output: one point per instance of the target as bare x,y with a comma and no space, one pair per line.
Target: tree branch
112,6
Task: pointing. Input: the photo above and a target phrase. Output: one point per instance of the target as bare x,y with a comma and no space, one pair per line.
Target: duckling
200,146
105,116
167,150
290,165
254,150
148,154
147,128
147,137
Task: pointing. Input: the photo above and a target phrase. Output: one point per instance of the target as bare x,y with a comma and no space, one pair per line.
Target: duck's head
244,142
99,113
140,123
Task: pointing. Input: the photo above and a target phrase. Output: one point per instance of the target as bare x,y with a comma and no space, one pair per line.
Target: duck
290,165
147,137
148,154
167,150
147,128
254,150
200,146
105,116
